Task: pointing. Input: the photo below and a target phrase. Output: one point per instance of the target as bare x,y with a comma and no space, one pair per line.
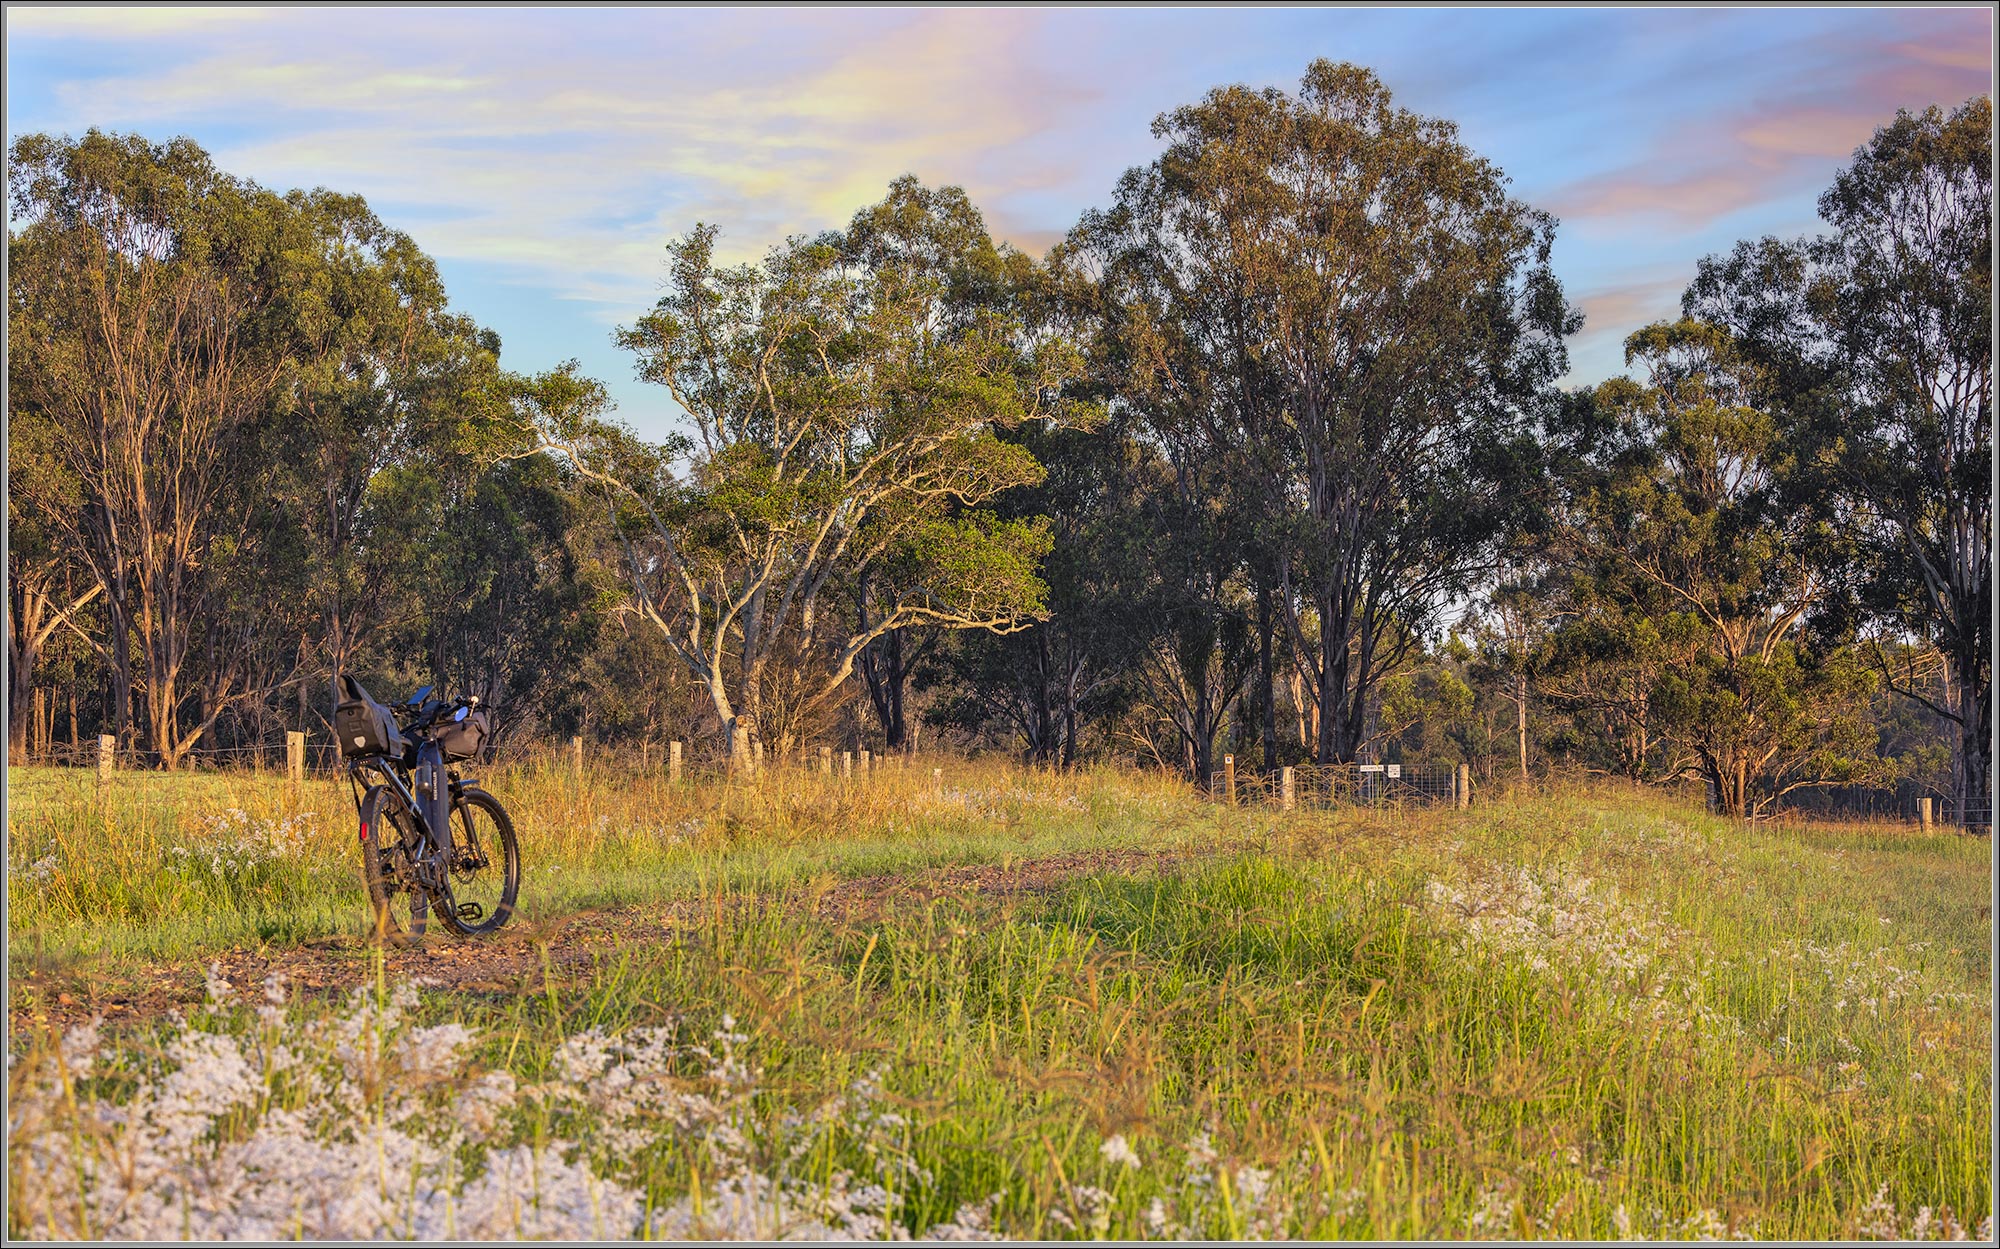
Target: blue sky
544,156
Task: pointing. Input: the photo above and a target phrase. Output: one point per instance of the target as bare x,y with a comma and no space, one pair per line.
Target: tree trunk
1521,721
885,671
1729,777
121,673
1202,740
1266,678
24,611
1975,757
1332,667
1040,748
1069,725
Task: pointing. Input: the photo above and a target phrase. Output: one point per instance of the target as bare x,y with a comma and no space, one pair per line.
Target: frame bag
364,726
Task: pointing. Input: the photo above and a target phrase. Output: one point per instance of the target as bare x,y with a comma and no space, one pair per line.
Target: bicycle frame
427,795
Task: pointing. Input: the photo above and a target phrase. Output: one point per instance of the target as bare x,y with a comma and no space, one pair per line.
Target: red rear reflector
364,830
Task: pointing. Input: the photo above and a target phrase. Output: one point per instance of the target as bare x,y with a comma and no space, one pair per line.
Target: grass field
997,1003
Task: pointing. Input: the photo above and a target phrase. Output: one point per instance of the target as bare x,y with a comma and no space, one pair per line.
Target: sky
544,157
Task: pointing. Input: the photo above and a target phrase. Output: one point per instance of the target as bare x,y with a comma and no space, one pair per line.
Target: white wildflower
1119,1152
1493,1216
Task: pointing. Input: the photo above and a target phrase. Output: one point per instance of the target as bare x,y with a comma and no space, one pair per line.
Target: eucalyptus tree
139,280
1875,342
1340,297
380,379
1683,551
1048,688
928,249
44,592
831,431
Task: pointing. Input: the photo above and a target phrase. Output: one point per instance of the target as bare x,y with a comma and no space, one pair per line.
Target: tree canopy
1274,456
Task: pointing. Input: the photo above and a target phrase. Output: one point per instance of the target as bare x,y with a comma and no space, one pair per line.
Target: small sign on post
1285,791
107,757
1229,778
674,762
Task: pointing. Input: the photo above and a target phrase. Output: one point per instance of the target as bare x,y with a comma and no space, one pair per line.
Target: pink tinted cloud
1772,143
1625,307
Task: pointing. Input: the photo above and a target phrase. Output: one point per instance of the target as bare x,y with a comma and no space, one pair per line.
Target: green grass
1575,1017
129,872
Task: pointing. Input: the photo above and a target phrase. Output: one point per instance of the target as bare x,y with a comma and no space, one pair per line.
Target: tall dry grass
1591,1015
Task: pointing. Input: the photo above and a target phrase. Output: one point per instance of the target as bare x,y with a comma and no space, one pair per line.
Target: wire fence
322,758
1307,786
1973,815
1341,785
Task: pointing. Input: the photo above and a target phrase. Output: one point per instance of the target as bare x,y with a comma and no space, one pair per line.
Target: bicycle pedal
470,912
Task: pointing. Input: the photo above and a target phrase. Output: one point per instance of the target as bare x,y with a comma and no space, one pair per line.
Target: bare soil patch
524,957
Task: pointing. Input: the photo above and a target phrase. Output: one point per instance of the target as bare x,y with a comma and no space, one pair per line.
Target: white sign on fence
1395,770
1371,767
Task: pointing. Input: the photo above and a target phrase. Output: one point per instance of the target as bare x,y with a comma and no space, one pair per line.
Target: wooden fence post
107,757
674,762
1285,791
645,757
757,756
1463,786
864,765
1229,777
846,765
739,748
576,756
1924,810
295,757
826,761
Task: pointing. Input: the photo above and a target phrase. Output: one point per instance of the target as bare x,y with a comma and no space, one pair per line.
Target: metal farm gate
1348,785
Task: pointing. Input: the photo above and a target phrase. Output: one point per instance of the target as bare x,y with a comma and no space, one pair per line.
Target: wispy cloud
1786,136
545,156
577,168
1623,307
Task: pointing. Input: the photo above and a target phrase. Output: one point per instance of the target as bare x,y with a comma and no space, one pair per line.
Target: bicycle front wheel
485,866
398,910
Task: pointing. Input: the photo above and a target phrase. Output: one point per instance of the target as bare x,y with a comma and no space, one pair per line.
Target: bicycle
429,836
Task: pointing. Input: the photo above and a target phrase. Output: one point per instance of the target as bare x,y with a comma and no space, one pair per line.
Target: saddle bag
364,726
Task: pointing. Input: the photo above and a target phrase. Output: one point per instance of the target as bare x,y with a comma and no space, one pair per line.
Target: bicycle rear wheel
485,866
398,911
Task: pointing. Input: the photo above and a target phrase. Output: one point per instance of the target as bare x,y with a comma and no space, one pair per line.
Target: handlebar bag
464,738
364,726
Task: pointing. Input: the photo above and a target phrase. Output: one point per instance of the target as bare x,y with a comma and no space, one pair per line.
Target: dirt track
524,957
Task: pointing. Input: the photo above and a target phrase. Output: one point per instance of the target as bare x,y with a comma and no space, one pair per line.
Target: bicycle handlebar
425,716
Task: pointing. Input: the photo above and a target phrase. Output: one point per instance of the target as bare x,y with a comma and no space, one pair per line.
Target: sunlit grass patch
158,865
1588,1017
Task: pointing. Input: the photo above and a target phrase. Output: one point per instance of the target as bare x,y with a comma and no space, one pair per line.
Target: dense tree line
1272,456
